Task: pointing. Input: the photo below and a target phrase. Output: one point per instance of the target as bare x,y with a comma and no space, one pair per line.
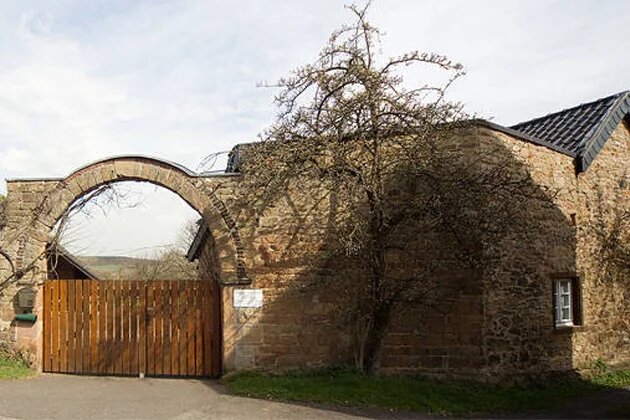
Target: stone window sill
567,329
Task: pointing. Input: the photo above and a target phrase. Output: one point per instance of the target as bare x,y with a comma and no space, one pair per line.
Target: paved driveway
85,397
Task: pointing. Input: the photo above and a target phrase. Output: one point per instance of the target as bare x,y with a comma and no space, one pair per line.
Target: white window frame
560,306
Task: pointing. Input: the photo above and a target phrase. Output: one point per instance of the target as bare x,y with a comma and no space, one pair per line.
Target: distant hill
114,267
95,260
171,265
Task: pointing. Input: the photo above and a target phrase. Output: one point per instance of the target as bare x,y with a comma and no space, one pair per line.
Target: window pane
565,300
564,286
566,314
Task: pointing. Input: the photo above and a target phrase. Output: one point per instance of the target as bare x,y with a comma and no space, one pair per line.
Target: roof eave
198,242
618,112
525,137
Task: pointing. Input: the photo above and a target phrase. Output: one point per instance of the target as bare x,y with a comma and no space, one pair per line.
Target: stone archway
36,205
202,193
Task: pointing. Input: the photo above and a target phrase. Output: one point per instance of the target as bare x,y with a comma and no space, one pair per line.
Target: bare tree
170,264
388,160
99,199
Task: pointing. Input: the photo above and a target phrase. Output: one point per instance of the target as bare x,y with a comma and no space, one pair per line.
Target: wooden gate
106,327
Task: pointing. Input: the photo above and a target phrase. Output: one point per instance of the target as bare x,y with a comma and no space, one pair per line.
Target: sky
83,80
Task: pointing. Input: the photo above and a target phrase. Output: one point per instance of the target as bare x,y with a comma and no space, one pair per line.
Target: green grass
13,369
420,394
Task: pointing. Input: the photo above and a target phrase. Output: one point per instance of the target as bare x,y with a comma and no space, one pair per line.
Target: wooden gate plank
170,338
183,329
78,313
46,334
87,323
206,323
175,327
198,328
167,327
117,328
190,371
113,340
142,329
93,326
54,328
159,342
217,329
150,328
133,332
70,323
82,331
124,326
64,331
102,327
110,327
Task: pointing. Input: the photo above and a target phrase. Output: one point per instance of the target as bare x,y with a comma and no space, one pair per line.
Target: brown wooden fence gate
159,328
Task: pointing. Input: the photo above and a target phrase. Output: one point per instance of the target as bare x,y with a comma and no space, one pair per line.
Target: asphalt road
85,397
88,397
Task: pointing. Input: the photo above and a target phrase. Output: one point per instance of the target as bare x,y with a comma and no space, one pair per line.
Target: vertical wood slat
183,329
159,343
102,325
63,326
47,318
206,322
175,327
116,352
142,329
121,327
150,328
93,326
78,313
198,328
167,315
82,331
133,316
190,304
217,329
87,325
71,323
54,328
109,346
125,307
111,328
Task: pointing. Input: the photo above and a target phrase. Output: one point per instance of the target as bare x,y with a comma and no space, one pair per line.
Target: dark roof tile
581,130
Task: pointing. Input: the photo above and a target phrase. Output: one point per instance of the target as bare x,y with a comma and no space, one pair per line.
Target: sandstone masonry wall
498,322
604,189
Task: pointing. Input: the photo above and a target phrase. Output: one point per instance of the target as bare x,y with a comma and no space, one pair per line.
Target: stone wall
498,324
519,328
519,332
498,321
33,207
603,194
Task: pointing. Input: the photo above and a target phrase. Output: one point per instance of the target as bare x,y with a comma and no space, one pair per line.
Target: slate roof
580,131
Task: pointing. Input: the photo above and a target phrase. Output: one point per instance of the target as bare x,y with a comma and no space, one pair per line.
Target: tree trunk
375,336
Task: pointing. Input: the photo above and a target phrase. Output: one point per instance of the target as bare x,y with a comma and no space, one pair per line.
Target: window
567,302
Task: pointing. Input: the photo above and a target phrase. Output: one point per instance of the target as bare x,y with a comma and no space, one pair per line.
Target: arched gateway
176,311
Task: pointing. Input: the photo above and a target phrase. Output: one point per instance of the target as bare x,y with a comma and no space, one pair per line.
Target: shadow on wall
470,253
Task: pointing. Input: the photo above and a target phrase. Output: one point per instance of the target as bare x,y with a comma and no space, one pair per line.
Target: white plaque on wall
248,298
